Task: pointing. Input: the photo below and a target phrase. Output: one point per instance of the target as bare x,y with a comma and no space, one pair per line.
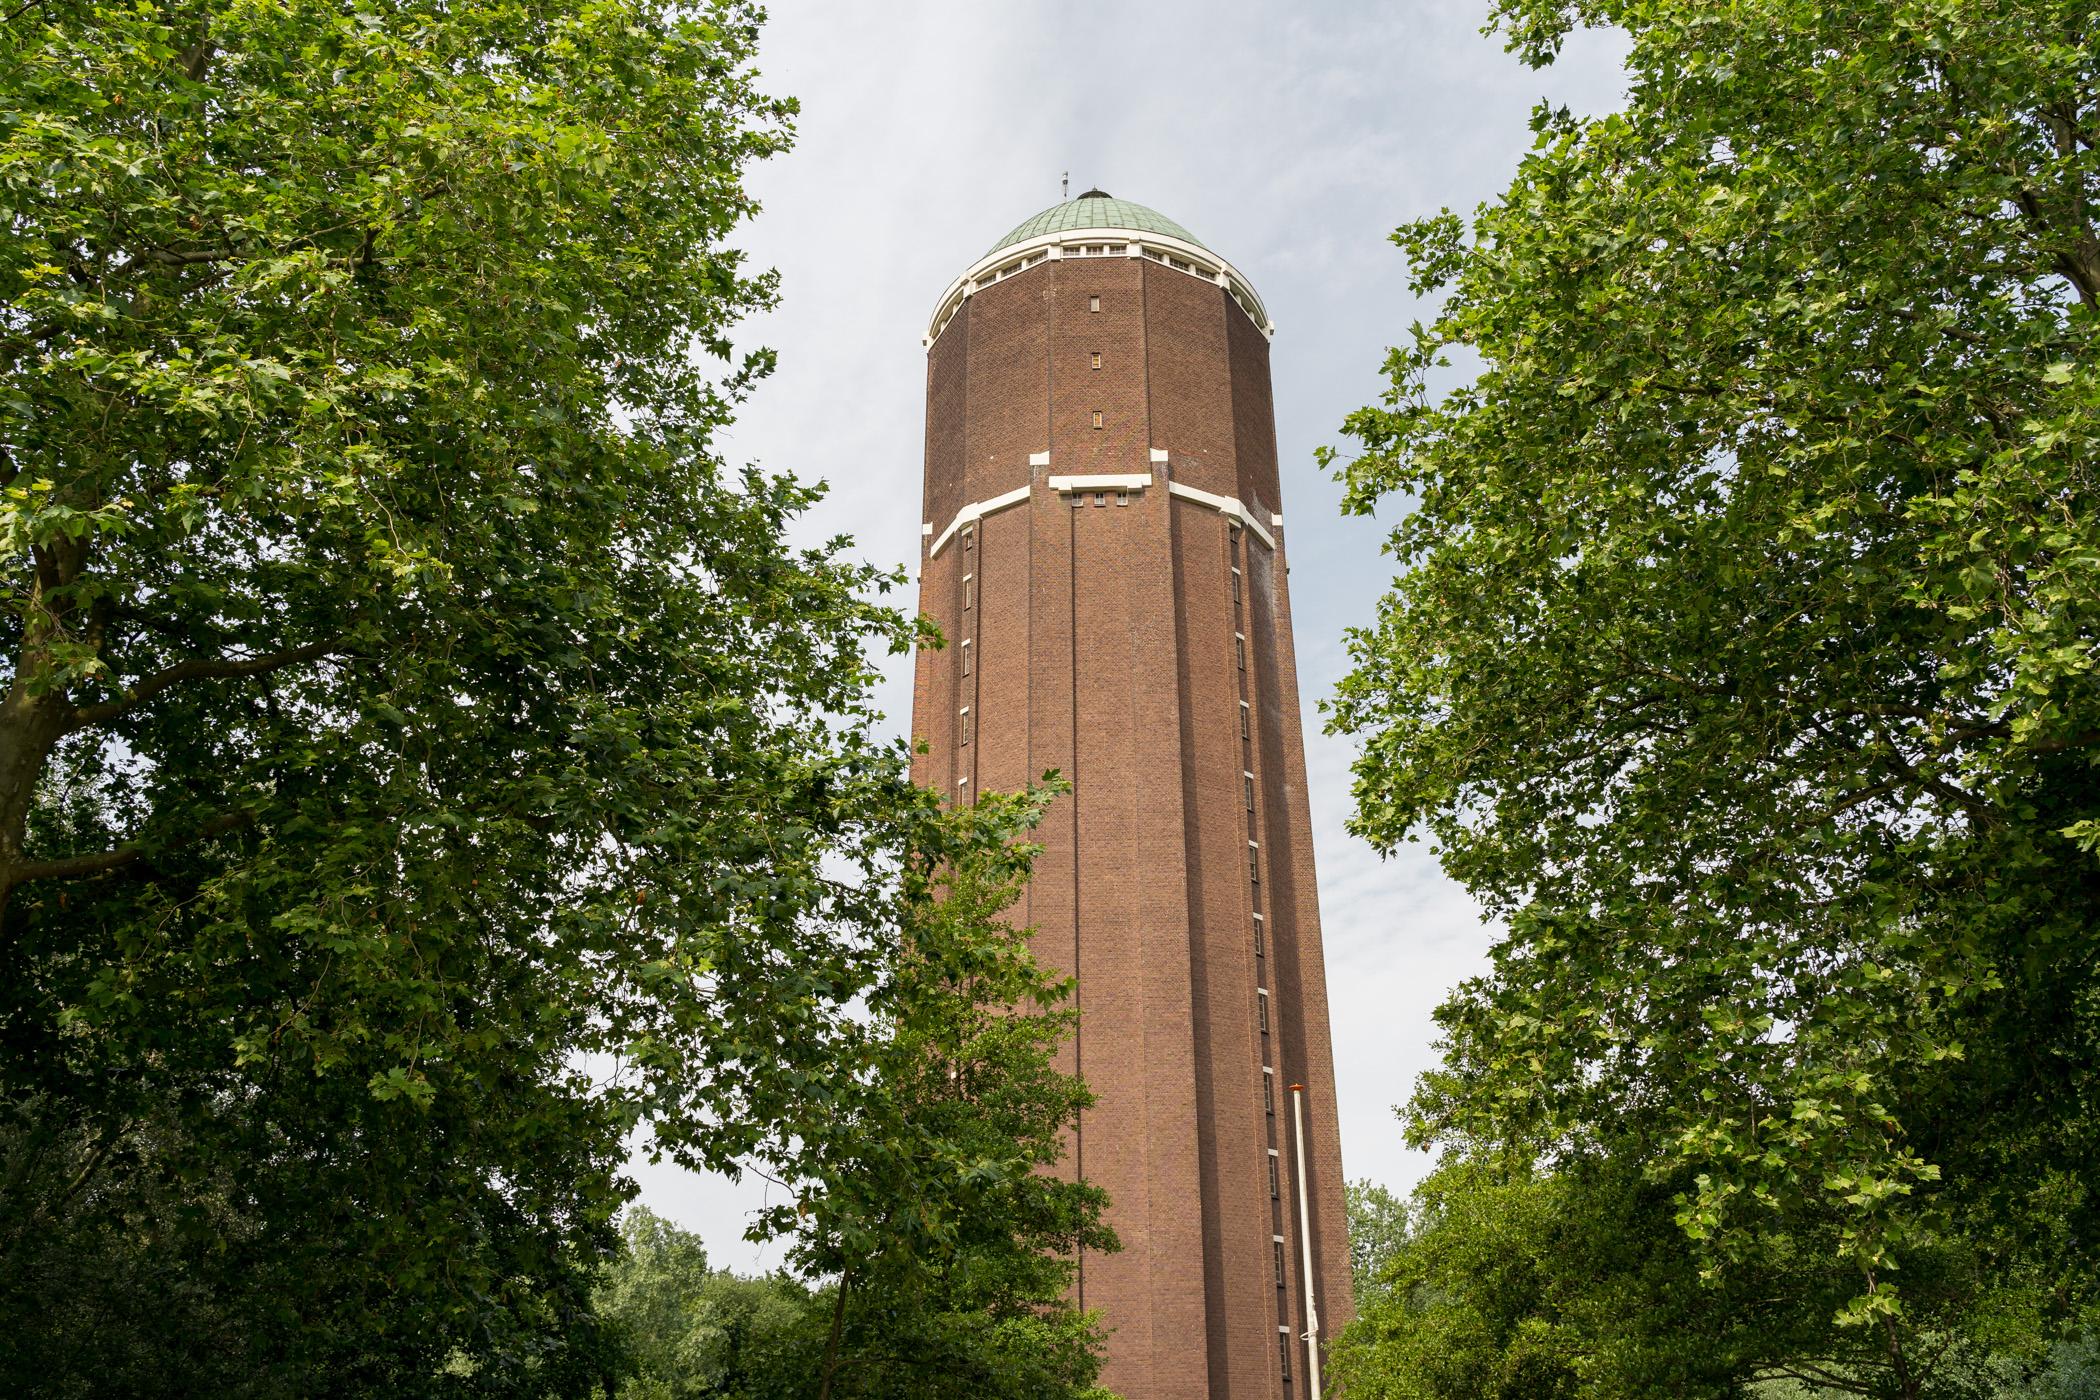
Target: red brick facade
1101,630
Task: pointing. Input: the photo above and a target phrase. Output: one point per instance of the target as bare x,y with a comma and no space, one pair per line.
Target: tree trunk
33,717
831,1347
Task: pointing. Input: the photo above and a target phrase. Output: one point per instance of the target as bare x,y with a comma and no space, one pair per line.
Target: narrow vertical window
1268,1091
969,538
1275,1179
963,726
969,591
1097,417
1246,727
1094,360
1283,1340
1235,585
1261,1008
1239,647
966,656
1278,1241
1254,862
1093,303
1247,781
1258,924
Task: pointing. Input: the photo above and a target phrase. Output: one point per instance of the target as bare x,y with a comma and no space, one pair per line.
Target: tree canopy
935,1228
422,758
1743,656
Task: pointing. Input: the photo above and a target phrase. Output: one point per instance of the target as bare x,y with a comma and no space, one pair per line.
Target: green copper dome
1095,209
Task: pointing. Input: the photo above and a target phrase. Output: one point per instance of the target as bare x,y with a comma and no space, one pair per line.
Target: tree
935,1240
1518,1281
930,1201
1377,1236
1743,657
689,1330
421,758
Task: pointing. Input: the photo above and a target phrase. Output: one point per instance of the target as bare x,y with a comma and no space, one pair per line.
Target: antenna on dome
1065,189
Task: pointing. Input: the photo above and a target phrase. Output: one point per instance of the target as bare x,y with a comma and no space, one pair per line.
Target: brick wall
1102,644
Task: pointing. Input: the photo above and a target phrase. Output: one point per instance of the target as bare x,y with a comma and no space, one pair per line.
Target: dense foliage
939,1203
686,1331
1513,1283
933,1240
1377,1233
421,760
1743,657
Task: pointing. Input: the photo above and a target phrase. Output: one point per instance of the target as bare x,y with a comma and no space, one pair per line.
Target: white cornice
1231,507
976,511
1015,258
1227,506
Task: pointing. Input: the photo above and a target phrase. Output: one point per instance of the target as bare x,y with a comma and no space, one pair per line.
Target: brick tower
1103,553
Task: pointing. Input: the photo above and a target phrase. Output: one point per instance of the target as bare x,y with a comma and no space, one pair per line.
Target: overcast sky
1292,139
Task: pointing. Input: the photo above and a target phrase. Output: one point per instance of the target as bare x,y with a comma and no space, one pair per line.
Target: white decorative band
1191,258
1129,481
976,511
1228,506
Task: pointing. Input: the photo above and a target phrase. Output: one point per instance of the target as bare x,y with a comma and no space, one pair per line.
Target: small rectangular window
1283,1339
1235,585
1095,359
1239,647
1097,417
1278,1242
1253,855
969,591
1246,729
1093,303
1261,1006
1268,1091
1258,924
1275,1179
1247,780
1122,498
966,658
963,726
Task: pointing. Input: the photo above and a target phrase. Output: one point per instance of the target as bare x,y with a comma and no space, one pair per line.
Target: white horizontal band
975,511
1128,481
1192,259
1228,506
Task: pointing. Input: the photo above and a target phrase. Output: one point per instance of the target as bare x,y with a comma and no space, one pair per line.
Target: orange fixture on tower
1104,552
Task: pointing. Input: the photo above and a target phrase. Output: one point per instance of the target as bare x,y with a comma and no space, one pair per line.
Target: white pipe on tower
1312,1307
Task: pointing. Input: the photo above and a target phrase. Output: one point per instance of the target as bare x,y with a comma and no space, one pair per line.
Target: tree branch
101,862
209,668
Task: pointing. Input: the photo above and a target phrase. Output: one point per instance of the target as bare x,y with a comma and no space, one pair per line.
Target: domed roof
1095,209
